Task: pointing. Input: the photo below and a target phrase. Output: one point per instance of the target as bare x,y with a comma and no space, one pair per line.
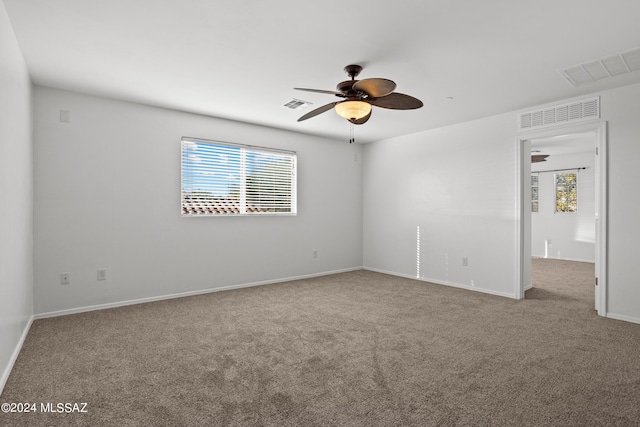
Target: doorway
595,135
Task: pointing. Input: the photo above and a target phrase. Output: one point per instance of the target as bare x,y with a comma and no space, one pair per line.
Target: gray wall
107,194
458,184
16,198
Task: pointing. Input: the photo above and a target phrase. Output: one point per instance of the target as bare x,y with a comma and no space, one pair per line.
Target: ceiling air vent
586,109
297,104
603,68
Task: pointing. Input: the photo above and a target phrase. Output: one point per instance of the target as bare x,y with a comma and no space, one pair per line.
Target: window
567,192
534,193
219,178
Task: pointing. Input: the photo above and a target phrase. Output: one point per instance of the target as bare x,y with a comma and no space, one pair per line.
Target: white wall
16,198
621,107
570,236
458,184
107,194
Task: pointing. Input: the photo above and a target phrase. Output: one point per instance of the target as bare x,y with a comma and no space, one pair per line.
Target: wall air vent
297,104
603,68
587,109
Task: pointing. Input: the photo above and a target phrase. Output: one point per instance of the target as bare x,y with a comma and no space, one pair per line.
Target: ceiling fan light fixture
353,110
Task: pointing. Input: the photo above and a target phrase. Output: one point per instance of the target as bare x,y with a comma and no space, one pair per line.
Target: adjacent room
273,213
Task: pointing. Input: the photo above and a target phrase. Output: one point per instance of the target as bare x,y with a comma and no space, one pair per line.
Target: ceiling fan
360,95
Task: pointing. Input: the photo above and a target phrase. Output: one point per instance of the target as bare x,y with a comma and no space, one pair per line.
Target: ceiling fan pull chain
351,137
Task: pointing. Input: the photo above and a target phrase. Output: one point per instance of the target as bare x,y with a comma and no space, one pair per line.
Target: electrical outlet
102,274
465,262
65,278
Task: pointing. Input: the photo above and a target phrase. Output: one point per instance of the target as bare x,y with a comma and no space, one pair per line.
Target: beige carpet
353,349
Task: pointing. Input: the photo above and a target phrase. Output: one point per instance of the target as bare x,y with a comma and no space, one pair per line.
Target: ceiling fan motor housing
352,70
346,87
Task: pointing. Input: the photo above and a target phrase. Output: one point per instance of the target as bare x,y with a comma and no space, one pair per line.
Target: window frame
537,186
568,192
240,167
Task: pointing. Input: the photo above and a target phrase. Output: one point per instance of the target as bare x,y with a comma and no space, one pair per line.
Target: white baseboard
623,317
440,282
14,355
184,294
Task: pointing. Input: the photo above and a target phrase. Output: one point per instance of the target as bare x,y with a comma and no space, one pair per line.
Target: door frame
523,244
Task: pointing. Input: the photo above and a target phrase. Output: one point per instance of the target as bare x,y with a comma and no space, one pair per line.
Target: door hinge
596,151
596,281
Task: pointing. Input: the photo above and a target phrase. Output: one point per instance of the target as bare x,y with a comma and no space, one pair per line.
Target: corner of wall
16,190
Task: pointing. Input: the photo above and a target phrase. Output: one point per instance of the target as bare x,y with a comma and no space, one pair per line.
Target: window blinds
229,179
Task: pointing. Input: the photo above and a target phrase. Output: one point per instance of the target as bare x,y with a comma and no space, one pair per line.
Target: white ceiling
241,59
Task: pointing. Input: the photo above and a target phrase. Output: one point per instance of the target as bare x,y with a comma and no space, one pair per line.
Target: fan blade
537,158
397,101
375,87
330,92
362,120
317,111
